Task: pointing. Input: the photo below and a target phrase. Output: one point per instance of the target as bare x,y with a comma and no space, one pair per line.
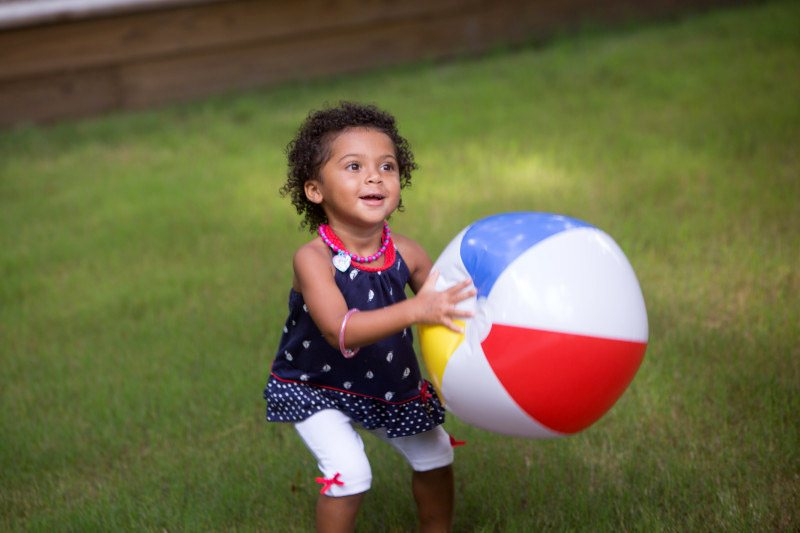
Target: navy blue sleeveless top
381,386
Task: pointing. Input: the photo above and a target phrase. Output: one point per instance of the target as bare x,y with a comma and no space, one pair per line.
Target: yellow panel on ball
437,344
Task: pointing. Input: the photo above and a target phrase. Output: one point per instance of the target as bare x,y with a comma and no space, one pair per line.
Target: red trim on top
388,260
345,391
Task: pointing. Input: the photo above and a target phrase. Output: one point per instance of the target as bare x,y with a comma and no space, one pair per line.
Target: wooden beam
135,37
186,49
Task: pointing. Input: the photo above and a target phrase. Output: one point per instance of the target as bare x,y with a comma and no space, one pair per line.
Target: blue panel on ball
492,243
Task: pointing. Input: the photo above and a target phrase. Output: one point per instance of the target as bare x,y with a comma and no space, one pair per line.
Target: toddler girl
346,358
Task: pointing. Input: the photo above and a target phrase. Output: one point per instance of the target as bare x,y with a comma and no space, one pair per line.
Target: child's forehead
359,135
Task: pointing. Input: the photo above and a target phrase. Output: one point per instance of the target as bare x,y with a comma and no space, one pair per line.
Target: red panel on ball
566,382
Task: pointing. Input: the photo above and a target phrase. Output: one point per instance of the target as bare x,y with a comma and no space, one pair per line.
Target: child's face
359,184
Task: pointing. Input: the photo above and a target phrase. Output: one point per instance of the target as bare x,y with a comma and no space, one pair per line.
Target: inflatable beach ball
559,331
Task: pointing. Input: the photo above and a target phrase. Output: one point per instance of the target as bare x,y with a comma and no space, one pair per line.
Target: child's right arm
314,279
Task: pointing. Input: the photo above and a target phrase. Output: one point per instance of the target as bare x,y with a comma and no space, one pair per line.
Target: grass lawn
144,272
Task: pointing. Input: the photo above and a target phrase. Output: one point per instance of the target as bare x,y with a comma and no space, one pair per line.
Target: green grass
144,272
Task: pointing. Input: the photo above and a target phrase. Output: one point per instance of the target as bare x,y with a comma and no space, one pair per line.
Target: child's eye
353,166
388,166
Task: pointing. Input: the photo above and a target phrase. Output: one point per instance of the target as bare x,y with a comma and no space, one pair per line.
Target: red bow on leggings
326,483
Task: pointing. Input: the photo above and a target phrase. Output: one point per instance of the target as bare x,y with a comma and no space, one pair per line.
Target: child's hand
440,307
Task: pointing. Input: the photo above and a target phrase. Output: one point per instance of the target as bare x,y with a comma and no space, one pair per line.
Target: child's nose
374,176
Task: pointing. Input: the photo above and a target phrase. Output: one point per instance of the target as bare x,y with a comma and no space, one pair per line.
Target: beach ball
559,331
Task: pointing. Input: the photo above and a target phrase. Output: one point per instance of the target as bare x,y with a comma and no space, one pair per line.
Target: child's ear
313,192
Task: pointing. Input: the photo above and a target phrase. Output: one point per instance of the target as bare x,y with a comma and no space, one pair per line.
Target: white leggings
339,450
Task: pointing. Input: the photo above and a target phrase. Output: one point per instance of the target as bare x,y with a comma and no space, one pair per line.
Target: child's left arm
417,259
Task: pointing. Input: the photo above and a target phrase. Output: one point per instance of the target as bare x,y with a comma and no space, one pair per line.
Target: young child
336,367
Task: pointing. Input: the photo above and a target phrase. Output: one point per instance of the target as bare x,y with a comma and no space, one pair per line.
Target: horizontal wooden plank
145,59
117,40
147,83
58,96
155,82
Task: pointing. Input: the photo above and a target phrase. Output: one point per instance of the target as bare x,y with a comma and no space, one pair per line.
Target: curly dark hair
310,149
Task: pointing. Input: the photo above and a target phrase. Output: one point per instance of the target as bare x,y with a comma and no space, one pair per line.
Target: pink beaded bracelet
345,352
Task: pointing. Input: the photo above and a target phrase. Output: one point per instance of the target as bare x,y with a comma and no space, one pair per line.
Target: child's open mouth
372,198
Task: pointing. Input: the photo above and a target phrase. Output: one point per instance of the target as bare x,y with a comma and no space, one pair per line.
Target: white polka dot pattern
294,402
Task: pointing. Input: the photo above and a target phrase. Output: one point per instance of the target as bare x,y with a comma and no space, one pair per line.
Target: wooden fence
70,58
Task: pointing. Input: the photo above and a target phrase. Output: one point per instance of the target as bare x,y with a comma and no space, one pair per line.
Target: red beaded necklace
343,257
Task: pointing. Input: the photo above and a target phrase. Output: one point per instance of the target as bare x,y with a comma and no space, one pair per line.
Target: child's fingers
462,291
459,287
455,312
464,313
465,295
453,326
